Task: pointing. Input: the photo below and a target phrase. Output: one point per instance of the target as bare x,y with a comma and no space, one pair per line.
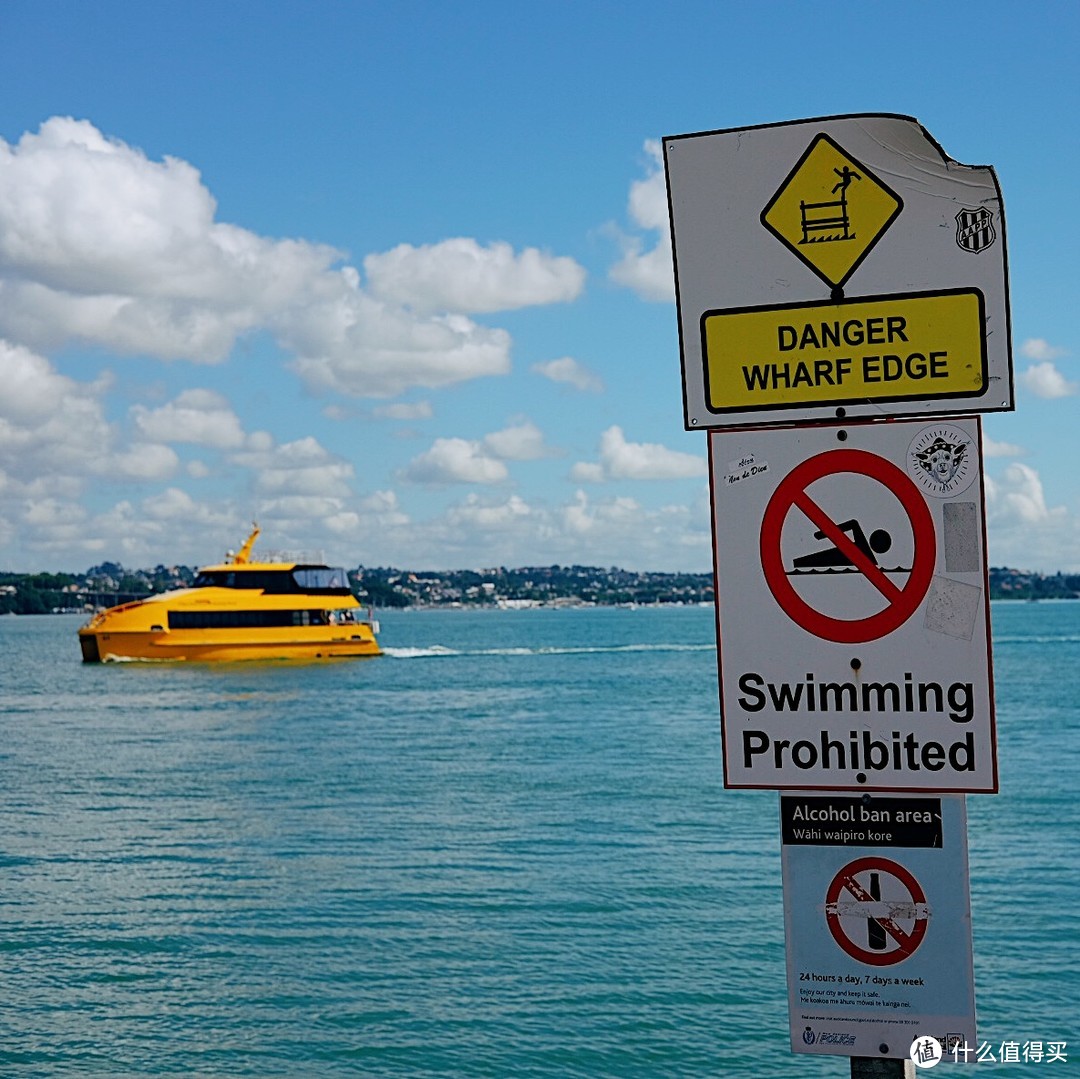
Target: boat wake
438,651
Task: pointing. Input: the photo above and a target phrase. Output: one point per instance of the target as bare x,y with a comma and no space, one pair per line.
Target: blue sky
393,279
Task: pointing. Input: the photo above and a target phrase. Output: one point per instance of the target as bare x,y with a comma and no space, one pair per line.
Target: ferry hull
121,647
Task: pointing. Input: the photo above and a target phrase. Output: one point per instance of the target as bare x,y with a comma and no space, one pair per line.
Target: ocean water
503,849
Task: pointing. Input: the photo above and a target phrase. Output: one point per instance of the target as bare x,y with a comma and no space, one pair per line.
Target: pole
881,1068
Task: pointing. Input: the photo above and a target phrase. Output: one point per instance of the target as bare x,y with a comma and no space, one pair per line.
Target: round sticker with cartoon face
943,460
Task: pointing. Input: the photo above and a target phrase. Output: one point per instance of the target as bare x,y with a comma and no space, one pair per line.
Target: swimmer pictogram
850,550
834,560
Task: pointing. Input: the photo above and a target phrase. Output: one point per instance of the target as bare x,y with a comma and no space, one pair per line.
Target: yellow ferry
239,610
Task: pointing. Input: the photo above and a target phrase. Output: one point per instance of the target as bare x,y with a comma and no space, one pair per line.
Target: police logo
808,1036
975,229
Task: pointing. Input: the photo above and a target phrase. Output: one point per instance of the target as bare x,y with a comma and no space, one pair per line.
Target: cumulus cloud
475,515
100,245
1025,531
348,341
648,271
455,460
54,432
383,508
197,416
523,441
568,370
622,460
303,467
484,529
462,460
1045,380
460,275
1017,497
1038,348
993,448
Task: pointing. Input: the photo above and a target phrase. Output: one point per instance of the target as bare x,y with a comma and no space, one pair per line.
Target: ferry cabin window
244,619
271,582
320,579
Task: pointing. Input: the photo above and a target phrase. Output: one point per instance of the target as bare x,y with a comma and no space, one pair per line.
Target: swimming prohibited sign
852,607
850,547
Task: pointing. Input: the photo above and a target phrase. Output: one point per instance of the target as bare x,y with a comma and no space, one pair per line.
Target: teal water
503,849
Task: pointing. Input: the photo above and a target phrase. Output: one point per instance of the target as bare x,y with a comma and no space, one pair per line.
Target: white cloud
54,433
993,448
1037,348
521,442
461,460
102,246
587,472
145,461
383,510
482,530
568,370
1023,530
475,515
420,410
460,275
302,467
197,416
347,341
622,460
1045,380
455,460
648,272
1017,498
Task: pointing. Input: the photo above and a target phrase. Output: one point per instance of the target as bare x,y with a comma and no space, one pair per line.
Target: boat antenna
243,556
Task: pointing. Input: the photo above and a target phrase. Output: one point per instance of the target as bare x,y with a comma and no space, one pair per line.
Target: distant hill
109,583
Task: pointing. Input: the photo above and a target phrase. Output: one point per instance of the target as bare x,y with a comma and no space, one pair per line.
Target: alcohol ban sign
878,922
842,266
852,607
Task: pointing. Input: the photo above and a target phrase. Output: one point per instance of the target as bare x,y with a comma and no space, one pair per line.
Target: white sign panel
832,268
852,607
877,917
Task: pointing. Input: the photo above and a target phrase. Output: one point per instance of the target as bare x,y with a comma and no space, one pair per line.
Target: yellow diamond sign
830,211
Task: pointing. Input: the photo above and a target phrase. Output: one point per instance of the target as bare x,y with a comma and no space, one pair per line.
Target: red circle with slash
901,602
905,942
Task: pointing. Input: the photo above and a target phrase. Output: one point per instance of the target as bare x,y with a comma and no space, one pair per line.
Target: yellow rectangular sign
886,348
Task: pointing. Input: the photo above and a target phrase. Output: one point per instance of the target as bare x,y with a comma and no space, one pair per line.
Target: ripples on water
502,849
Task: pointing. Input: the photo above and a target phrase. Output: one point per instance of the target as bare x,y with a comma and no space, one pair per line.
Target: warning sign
853,629
882,349
831,210
836,268
878,922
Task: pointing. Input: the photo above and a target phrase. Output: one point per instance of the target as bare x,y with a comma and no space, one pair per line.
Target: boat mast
243,556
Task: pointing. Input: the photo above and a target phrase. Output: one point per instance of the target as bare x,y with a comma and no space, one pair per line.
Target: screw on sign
884,917
901,601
